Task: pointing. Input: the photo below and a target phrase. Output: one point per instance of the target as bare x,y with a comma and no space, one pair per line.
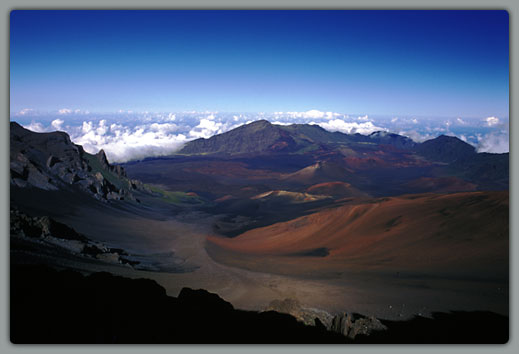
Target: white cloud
416,136
206,128
26,111
57,123
64,111
339,125
36,127
86,127
492,121
460,121
163,127
363,118
102,128
281,123
495,142
313,114
122,143
393,120
414,120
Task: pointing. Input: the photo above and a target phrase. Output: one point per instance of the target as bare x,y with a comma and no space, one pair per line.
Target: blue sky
424,63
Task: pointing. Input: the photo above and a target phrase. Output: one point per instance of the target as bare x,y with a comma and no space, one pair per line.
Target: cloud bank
122,143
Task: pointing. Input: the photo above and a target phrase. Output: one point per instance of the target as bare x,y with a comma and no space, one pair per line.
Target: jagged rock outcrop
347,324
41,227
351,325
51,161
308,316
51,232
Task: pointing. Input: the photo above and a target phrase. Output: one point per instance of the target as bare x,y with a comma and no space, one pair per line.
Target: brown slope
440,185
336,189
462,234
321,171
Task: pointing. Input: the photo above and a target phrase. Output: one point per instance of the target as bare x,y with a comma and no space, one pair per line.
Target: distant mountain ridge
264,137
282,157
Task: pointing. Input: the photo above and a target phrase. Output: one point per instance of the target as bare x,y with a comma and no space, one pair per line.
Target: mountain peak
261,122
257,125
444,137
446,149
255,137
261,136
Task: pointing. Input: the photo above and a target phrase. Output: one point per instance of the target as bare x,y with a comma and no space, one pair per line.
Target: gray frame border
6,6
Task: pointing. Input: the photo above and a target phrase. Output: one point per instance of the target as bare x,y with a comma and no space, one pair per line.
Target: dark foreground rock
48,306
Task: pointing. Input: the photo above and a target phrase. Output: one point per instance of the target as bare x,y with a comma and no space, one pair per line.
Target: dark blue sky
431,63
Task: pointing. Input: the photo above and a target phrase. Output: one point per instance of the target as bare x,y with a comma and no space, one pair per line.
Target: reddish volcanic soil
336,189
319,172
454,235
441,185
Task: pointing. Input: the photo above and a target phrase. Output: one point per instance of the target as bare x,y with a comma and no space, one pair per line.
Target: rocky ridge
44,229
50,161
348,324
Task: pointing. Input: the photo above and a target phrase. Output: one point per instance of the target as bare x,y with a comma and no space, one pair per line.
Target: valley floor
180,241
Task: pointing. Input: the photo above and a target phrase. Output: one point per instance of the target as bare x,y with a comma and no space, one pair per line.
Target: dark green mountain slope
256,137
445,149
263,137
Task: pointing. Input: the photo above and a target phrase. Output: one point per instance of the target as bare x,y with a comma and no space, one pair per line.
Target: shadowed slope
445,149
66,307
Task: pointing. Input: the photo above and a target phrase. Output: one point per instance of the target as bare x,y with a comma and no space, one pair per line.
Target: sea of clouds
126,135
